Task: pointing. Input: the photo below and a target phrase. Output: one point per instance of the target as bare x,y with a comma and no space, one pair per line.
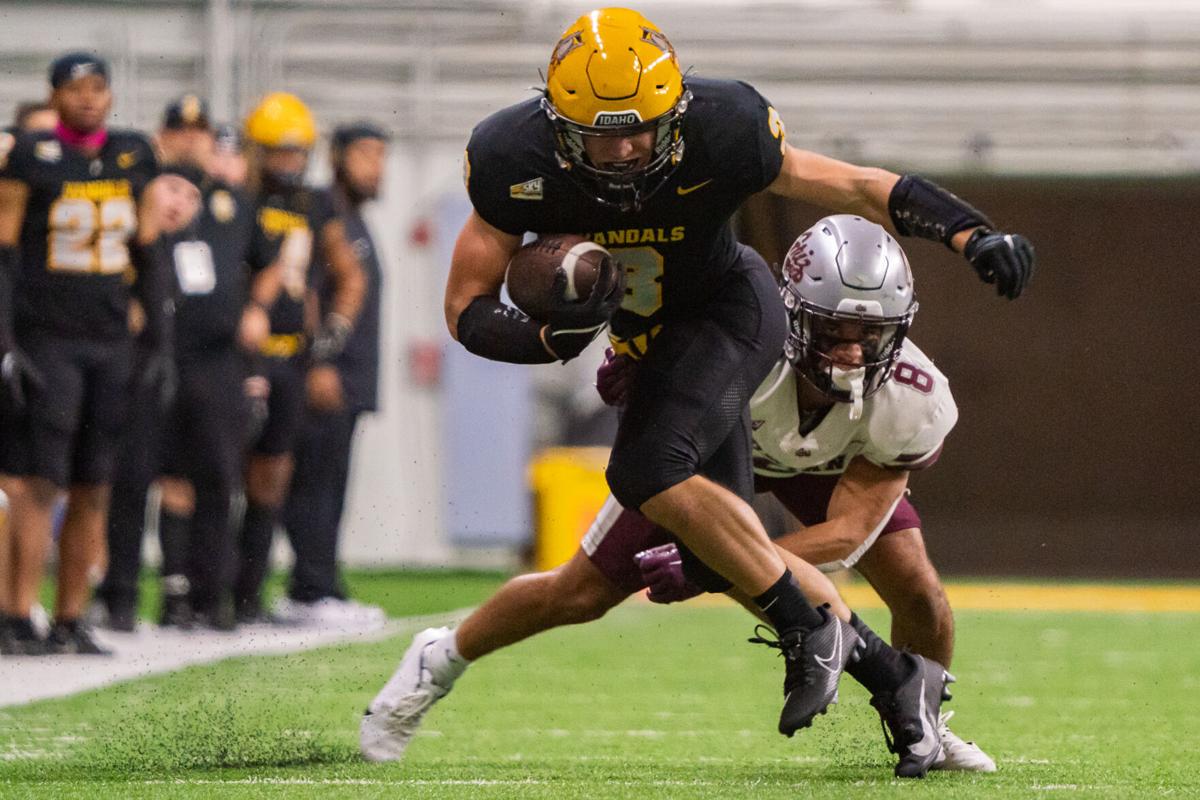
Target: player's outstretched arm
909,205
835,185
862,502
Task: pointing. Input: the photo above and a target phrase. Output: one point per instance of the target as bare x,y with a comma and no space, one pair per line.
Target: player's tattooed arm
350,287
861,503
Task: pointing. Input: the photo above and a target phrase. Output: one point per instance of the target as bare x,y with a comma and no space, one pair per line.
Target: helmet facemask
626,190
815,332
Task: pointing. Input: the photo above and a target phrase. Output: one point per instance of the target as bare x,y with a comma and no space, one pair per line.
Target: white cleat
396,712
328,612
957,754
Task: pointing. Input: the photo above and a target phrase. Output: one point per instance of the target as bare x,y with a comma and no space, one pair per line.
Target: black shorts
71,426
687,410
205,429
285,406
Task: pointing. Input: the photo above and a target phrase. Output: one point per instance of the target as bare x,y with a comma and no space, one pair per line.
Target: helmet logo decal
565,45
658,39
797,259
617,118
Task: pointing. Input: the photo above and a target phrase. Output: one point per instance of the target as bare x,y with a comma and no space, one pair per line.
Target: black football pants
313,512
199,438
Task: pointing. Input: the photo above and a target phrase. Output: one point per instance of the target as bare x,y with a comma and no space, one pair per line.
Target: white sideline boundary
151,650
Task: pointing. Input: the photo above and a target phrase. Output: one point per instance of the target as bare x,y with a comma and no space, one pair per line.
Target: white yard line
152,651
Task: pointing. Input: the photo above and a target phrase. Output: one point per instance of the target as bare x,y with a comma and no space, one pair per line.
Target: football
533,273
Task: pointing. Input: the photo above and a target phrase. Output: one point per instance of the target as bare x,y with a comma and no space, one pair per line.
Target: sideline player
281,132
835,446
80,211
623,147
341,387
198,440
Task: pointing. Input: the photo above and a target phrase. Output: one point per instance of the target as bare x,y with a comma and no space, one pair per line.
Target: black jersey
213,258
80,215
676,248
294,219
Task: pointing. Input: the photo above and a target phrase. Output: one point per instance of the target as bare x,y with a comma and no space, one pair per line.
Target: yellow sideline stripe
1049,597
1034,597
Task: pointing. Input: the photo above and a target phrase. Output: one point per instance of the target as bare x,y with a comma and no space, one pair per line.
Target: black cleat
176,612
909,714
219,616
112,615
18,637
73,638
814,660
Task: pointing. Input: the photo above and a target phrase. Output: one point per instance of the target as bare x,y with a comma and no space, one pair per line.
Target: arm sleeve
499,332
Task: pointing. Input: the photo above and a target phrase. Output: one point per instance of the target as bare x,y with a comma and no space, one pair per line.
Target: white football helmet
846,281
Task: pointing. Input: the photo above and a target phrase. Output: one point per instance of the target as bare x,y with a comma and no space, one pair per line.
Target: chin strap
851,380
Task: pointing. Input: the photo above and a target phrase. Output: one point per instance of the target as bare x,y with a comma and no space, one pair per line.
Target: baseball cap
78,64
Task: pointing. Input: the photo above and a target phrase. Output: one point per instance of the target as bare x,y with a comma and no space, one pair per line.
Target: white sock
444,661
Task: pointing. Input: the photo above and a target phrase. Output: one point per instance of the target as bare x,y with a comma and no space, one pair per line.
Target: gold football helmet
281,120
614,73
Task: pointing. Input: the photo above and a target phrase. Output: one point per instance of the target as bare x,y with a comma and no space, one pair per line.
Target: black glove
154,371
1005,259
331,338
18,372
572,326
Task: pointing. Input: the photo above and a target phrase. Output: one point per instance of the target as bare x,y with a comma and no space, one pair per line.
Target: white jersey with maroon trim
902,425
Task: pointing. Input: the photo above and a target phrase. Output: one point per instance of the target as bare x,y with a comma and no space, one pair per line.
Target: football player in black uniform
340,388
281,132
625,149
80,221
197,440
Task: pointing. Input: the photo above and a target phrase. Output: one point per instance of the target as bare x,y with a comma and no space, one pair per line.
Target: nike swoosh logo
829,662
929,739
679,190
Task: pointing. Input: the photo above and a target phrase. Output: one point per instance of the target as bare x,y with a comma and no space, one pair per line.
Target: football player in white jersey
850,410
822,400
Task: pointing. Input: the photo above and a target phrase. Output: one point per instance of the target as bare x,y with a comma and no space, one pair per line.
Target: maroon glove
662,572
613,377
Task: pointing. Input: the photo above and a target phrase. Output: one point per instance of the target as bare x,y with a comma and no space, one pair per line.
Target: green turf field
649,702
